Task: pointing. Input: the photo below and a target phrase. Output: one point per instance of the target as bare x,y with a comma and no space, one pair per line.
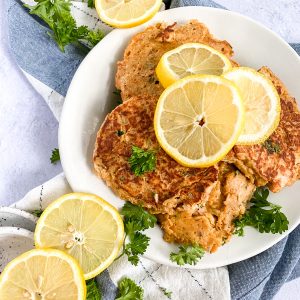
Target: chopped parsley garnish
37,212
55,157
271,146
117,92
94,37
118,97
142,161
92,290
120,132
137,215
262,215
57,15
167,293
91,3
187,255
129,290
138,244
136,219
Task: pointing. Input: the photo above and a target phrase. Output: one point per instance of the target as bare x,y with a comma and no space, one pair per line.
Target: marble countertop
28,130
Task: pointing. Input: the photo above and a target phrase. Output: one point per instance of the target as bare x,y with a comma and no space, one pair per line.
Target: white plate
90,98
13,217
13,242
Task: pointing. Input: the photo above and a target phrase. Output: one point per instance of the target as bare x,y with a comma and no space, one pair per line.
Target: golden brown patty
211,225
275,169
136,72
161,190
196,205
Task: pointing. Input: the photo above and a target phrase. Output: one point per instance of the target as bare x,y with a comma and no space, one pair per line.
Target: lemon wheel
127,13
190,59
43,274
198,119
84,226
261,101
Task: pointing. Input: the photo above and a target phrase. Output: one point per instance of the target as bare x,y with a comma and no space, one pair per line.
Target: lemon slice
198,119
126,13
262,104
190,59
86,227
43,274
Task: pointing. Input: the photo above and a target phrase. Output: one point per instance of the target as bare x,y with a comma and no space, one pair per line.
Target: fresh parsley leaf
271,146
167,293
137,218
187,255
49,10
65,32
262,215
55,157
118,97
120,132
132,258
37,212
91,3
57,15
139,242
129,290
117,92
239,225
142,161
92,290
94,37
131,227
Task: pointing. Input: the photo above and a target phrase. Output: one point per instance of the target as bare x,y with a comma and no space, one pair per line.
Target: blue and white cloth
50,72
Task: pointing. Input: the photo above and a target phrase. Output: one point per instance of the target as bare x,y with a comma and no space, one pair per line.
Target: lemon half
198,119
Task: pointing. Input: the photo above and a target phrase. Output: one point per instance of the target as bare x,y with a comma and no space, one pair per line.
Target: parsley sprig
91,3
142,161
187,255
136,219
37,212
272,147
129,290
262,215
57,15
167,293
92,290
55,157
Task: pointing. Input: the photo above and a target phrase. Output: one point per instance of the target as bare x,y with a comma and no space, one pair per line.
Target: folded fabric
50,71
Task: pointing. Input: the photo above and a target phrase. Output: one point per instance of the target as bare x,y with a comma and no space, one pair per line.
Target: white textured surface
28,130
281,16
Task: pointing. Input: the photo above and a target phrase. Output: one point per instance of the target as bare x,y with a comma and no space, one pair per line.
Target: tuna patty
161,190
277,161
211,225
136,72
195,205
